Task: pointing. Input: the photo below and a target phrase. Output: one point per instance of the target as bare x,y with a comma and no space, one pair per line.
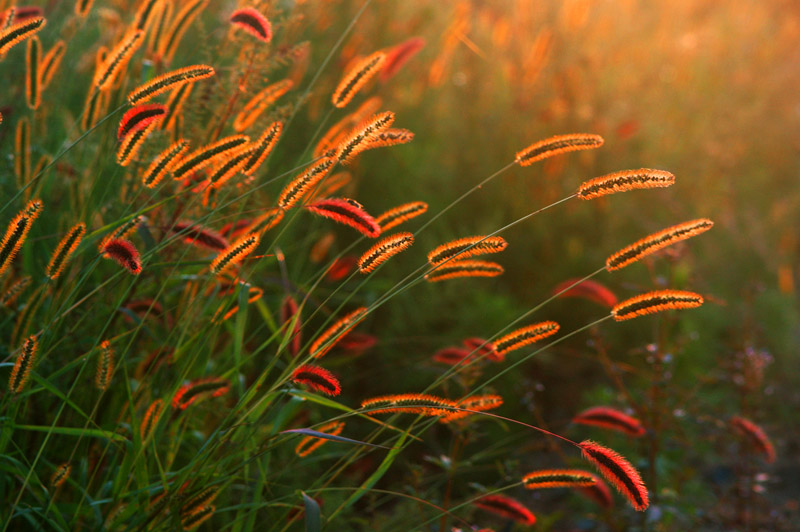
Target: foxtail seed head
356,78
624,181
556,145
235,253
336,332
253,22
317,379
464,268
66,247
657,301
22,366
466,247
385,249
619,472
652,243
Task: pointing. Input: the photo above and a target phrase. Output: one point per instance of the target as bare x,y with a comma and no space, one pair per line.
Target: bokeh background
704,89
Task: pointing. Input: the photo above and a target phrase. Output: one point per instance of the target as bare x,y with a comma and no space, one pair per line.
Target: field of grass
381,265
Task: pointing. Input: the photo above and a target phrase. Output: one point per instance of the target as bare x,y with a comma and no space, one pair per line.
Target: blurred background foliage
704,89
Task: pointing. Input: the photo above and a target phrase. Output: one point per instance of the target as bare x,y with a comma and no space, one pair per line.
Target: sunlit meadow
381,265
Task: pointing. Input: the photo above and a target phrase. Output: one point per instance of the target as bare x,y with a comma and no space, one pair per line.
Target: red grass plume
556,145
409,403
558,478
385,249
399,55
657,241
253,23
619,472
348,212
756,436
591,290
484,348
623,181
333,334
197,235
26,12
610,418
140,117
473,348
123,231
198,390
451,355
508,507
356,343
341,268
525,336
466,247
124,253
356,78
236,229
317,379
657,301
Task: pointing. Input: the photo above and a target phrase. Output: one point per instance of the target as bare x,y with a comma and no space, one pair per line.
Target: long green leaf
313,518
374,477
70,431
326,436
